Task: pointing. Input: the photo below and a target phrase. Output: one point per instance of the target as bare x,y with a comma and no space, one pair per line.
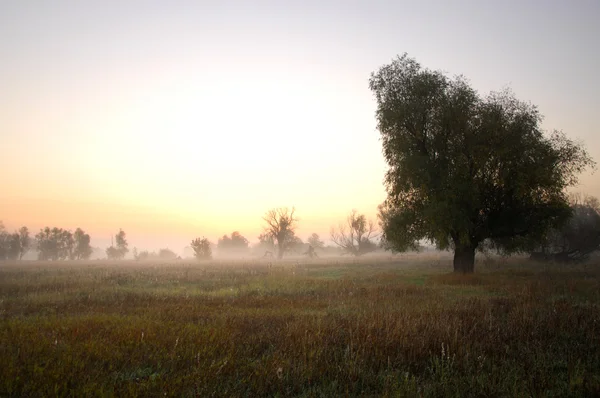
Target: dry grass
376,327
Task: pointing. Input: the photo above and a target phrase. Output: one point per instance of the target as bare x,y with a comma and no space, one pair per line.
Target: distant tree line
279,236
50,243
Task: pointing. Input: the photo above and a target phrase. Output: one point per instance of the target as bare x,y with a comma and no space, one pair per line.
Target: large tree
465,168
281,226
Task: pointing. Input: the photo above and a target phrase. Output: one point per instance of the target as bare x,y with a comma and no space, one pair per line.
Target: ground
386,326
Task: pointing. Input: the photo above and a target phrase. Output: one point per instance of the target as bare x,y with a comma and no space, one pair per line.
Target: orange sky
192,119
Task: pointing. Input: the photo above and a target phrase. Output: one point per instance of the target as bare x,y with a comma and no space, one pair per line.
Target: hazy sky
177,119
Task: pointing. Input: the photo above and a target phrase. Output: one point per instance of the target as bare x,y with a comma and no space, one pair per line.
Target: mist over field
316,199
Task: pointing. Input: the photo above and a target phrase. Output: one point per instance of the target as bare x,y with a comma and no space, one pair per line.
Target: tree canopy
121,249
235,243
13,246
83,250
202,249
464,168
315,241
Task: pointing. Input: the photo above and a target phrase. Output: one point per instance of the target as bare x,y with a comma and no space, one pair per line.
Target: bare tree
355,236
281,225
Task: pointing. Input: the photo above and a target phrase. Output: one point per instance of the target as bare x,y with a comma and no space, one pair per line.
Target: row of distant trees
50,243
573,240
356,236
13,246
55,244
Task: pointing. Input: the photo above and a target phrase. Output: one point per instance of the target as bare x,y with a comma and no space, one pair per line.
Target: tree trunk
464,259
280,250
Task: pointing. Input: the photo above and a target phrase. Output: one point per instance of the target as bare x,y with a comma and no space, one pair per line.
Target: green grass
403,326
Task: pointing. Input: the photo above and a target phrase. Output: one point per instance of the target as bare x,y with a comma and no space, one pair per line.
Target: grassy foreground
378,327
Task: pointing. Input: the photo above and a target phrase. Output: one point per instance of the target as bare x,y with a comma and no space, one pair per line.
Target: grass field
402,326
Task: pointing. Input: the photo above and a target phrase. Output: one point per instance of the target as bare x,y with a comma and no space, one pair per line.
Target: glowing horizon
192,119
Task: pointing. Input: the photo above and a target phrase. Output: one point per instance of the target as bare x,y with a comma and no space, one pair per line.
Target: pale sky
178,119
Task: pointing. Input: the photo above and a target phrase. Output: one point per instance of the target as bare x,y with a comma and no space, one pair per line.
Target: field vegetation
375,326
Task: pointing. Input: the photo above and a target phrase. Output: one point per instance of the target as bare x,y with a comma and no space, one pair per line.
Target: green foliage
465,168
201,248
196,330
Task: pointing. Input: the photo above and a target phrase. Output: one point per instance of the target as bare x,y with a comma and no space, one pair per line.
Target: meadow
378,326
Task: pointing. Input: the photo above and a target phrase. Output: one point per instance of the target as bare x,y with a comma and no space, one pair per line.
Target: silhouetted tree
266,244
462,168
167,254
578,237
112,253
4,242
13,246
315,241
201,248
296,244
235,243
121,241
146,255
83,250
281,225
355,236
266,240
120,250
24,241
54,244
